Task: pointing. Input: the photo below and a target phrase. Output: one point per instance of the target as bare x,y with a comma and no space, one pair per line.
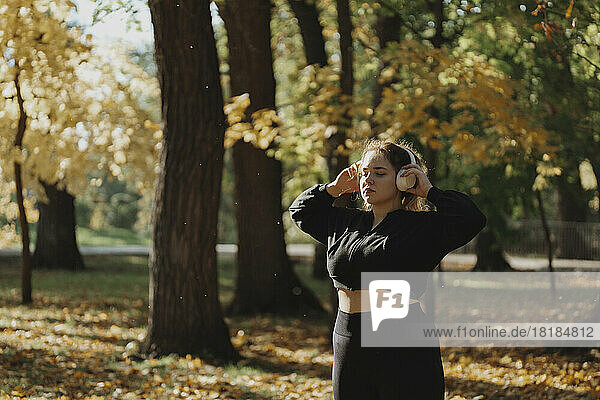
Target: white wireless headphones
406,182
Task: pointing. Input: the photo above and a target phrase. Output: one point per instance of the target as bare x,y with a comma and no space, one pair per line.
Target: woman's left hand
423,183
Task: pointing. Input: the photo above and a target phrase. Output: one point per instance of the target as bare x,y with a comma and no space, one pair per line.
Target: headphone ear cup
405,182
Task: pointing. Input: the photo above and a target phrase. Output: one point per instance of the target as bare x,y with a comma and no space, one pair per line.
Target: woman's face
377,179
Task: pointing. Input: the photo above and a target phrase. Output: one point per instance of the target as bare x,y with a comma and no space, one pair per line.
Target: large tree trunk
266,281
185,314
55,245
26,255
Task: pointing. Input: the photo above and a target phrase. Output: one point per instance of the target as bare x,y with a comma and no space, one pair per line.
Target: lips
368,190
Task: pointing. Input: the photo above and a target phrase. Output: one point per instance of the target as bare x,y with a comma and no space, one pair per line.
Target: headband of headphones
413,159
412,156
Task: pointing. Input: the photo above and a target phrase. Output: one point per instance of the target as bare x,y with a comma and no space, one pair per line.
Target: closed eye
376,173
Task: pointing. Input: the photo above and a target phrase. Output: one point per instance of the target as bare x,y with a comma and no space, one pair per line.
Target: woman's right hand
347,181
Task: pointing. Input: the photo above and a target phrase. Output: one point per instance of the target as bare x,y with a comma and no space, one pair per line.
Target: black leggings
378,373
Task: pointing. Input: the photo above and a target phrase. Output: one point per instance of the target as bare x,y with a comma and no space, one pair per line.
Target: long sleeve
313,212
458,219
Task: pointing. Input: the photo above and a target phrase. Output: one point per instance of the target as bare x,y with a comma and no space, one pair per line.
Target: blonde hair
396,154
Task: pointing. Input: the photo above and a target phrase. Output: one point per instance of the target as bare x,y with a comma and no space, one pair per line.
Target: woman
390,234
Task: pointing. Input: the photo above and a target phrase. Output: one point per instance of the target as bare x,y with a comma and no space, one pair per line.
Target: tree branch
587,59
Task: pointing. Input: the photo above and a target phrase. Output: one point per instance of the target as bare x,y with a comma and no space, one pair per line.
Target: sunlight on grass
110,236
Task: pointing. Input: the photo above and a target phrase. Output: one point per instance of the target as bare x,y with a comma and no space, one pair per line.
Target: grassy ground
109,236
79,339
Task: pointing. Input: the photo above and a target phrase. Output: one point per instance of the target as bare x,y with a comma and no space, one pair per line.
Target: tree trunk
490,256
388,30
185,315
346,47
314,48
548,236
311,31
547,233
26,255
336,161
55,245
266,281
437,8
438,40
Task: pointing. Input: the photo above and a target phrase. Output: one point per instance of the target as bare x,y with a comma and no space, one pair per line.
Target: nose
368,177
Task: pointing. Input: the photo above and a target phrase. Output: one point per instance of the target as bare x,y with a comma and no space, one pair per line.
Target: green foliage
111,236
114,203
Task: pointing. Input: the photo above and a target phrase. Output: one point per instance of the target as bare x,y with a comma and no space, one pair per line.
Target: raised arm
457,220
312,211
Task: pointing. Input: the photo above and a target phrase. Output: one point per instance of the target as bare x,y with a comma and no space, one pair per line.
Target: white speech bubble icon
389,299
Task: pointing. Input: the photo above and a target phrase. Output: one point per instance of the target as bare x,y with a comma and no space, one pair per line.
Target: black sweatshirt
403,241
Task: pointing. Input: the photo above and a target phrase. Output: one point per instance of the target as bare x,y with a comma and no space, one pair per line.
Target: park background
260,101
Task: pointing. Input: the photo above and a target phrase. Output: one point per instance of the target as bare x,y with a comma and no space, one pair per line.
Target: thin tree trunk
346,49
548,240
314,48
437,8
388,30
311,31
185,315
547,233
438,40
336,161
56,245
26,255
266,281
